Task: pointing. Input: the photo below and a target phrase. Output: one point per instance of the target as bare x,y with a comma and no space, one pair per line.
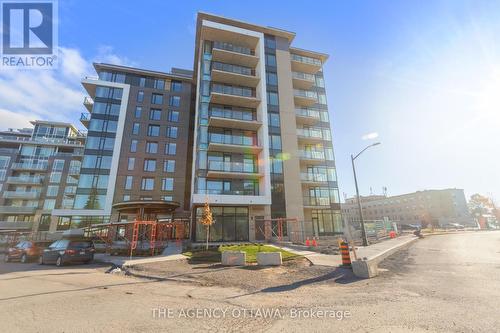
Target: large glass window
173,116
157,99
167,184
128,182
270,60
149,165
272,98
155,114
138,112
231,224
170,148
52,190
272,78
131,163
136,128
148,184
176,86
154,130
172,132
151,147
140,96
133,146
169,166
175,101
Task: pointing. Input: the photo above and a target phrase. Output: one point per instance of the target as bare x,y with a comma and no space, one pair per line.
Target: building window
55,177
169,166
167,184
270,43
270,60
138,112
149,165
52,190
136,128
155,114
147,184
275,142
49,204
171,148
175,101
272,78
133,146
172,132
173,116
159,84
322,99
140,96
167,198
272,98
126,197
273,119
128,182
157,99
151,147
154,130
176,86
142,82
58,165
44,223
131,163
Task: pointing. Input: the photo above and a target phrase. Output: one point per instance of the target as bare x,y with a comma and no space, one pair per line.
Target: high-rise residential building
263,144
39,172
437,207
248,130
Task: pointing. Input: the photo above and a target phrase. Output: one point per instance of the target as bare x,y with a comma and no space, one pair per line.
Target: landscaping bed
214,254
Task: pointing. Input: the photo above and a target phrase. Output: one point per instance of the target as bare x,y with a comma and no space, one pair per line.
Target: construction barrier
344,251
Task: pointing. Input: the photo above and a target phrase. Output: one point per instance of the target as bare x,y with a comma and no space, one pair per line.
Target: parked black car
66,251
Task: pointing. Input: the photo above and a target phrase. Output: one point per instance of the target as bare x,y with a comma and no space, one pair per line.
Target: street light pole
363,230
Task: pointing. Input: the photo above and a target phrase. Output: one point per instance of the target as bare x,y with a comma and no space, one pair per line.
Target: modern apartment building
263,146
247,130
39,172
437,207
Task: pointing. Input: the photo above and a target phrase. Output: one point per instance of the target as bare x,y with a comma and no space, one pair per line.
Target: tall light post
363,230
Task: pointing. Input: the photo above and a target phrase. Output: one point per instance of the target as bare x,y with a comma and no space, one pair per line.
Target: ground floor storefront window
326,222
231,224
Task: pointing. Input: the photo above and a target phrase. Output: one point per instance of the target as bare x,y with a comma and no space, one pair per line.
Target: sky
421,77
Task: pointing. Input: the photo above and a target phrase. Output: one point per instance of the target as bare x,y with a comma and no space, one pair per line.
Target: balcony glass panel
233,90
305,93
234,68
239,114
306,60
231,166
233,48
232,139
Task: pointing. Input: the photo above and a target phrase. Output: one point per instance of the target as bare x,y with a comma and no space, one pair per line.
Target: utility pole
363,230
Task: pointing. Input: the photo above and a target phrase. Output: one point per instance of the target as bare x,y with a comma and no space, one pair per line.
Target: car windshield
81,245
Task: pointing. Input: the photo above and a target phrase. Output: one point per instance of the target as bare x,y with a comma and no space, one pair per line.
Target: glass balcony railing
25,179
317,201
233,48
30,166
319,115
306,60
233,90
17,209
233,68
88,101
313,177
314,133
303,76
232,167
228,192
233,114
21,194
232,139
305,93
312,155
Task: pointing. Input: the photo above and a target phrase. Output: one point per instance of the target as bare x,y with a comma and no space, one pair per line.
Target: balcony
228,192
305,64
233,95
313,202
46,141
312,157
302,80
30,180
235,170
29,166
234,74
313,135
304,97
17,210
237,119
21,194
308,178
234,54
233,143
85,119
310,116
88,103
18,225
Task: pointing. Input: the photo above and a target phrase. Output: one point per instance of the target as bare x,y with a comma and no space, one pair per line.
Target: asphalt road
448,283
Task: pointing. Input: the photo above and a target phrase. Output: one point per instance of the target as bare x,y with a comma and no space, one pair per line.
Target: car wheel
24,259
59,261
40,260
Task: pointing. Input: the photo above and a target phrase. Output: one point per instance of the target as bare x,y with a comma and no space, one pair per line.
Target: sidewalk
126,261
378,251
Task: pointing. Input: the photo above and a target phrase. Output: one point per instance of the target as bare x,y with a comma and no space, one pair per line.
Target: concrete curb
368,267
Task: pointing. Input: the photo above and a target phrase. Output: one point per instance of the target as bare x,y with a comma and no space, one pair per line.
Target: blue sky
423,75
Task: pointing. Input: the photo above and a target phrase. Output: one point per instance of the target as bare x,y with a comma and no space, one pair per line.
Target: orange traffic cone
314,242
307,242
